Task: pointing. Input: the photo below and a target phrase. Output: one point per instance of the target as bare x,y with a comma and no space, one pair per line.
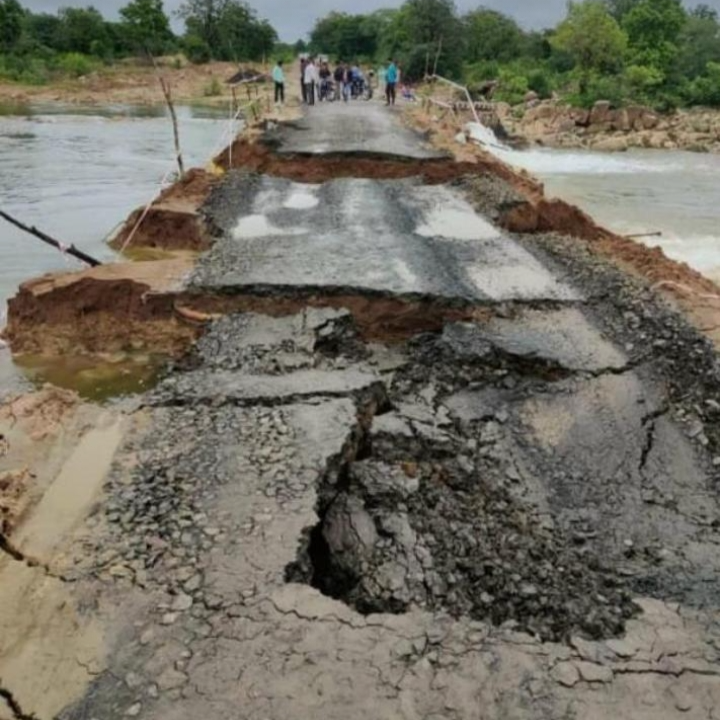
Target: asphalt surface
392,237
512,516
351,128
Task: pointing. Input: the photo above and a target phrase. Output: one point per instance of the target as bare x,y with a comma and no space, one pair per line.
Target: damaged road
420,468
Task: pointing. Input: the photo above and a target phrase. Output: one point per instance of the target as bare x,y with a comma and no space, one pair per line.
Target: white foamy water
641,191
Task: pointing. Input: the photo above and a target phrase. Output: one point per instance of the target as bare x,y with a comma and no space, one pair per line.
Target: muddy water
641,191
76,173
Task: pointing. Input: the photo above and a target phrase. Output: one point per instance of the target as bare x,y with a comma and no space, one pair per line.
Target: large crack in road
421,469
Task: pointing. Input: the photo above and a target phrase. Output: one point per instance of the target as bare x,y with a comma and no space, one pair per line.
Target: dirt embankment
171,222
131,83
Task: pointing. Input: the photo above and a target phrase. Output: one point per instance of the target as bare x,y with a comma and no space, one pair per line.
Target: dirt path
420,468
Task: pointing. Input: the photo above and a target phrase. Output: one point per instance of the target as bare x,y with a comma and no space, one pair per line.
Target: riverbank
553,124
130,84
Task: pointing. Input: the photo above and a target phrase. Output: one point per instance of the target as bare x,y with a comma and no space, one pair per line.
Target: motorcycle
328,90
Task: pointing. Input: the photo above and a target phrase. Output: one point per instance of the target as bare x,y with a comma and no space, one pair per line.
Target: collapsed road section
413,467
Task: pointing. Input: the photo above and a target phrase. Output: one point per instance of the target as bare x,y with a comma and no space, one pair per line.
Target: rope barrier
226,138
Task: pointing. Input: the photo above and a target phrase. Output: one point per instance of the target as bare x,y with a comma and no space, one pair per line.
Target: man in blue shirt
391,78
279,79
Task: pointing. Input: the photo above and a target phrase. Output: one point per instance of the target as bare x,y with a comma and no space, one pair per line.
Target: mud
260,158
163,229
104,310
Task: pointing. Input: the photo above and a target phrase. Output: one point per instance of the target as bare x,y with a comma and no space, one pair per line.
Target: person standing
325,76
339,77
310,80
391,79
303,65
279,80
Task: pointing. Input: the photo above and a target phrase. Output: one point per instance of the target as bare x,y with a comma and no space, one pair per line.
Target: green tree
698,44
704,12
83,30
426,30
620,8
42,29
654,28
11,24
490,35
592,37
227,29
146,26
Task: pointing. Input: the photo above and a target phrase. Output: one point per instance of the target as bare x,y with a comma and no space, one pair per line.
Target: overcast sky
294,18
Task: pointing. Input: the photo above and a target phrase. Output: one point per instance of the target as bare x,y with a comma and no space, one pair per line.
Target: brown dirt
101,310
172,222
189,192
258,157
130,83
383,319
163,229
41,414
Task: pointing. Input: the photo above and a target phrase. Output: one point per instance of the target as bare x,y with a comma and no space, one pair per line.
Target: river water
641,191
76,173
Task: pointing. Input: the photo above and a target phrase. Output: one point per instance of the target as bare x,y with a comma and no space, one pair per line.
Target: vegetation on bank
36,48
652,52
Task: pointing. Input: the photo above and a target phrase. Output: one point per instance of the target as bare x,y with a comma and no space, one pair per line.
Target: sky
294,19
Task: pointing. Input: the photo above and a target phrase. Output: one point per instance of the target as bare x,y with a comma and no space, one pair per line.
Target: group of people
346,81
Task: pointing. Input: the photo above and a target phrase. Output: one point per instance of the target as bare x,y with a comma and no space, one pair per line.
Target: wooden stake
173,116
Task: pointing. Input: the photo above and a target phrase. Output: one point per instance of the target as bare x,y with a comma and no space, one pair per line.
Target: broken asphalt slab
363,236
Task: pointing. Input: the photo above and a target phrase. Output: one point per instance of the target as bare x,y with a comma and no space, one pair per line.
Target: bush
539,81
197,50
213,89
30,71
594,87
76,64
512,88
705,90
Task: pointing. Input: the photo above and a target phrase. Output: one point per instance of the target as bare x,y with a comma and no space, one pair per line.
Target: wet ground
438,472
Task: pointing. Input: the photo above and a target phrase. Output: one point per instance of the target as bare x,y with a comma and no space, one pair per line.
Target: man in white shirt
310,79
279,80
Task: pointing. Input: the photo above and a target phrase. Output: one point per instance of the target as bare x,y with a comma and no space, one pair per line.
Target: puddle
95,379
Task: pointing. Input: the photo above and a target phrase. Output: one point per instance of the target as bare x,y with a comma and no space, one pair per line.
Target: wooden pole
173,116
69,249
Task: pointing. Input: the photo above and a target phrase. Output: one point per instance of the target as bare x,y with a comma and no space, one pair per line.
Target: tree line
654,52
33,46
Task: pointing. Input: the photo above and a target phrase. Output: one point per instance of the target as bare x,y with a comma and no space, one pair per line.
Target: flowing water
76,173
641,191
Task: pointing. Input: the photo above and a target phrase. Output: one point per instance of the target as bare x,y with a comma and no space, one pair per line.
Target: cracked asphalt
512,516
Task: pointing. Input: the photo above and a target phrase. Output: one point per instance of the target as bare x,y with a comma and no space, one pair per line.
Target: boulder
621,120
531,97
611,144
649,120
601,113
